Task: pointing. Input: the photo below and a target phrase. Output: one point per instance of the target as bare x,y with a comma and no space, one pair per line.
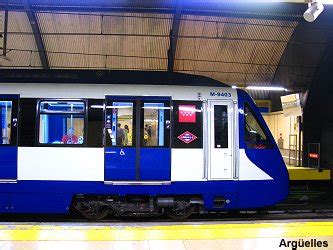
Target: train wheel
179,214
93,210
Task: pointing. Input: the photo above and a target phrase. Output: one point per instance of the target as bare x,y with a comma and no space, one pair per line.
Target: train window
221,126
61,122
6,116
119,123
187,124
255,137
156,124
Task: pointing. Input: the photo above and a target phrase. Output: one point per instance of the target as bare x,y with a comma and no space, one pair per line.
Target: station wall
281,127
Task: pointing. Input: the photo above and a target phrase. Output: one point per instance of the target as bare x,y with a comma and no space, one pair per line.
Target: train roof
105,77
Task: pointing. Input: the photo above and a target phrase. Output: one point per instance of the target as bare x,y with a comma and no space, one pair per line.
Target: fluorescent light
267,88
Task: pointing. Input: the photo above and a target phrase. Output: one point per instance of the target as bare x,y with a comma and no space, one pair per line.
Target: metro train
137,148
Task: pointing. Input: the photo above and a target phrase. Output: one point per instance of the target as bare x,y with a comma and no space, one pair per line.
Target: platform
311,174
209,235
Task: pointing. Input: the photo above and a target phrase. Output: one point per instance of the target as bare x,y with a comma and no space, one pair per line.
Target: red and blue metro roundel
187,137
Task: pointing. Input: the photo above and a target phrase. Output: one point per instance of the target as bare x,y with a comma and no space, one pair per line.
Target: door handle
111,152
14,122
121,152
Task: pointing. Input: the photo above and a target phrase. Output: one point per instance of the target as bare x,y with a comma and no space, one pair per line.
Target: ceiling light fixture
315,7
267,88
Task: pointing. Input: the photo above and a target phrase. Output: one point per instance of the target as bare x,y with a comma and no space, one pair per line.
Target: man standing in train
120,135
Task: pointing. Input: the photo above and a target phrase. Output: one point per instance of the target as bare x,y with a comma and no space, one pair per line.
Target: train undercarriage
98,207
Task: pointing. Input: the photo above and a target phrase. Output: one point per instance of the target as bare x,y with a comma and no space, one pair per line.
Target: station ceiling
233,42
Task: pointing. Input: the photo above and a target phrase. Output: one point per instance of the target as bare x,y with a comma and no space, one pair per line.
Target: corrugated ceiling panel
235,51
21,45
198,66
35,60
21,59
136,46
80,44
69,23
199,25
258,79
21,42
242,50
136,63
136,23
18,22
260,69
76,61
148,48
230,78
132,39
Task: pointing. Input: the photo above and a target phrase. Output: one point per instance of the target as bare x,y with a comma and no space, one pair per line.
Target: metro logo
187,113
187,137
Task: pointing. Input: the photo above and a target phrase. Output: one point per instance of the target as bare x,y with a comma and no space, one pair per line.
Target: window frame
106,139
251,145
215,127
13,134
166,131
85,120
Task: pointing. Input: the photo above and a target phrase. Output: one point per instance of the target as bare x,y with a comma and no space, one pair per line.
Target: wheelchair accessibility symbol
122,152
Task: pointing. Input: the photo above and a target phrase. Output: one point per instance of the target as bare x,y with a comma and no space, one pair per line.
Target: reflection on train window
154,124
119,123
6,114
61,107
221,126
61,122
253,130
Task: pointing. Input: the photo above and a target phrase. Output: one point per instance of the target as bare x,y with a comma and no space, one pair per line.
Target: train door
137,139
8,138
220,140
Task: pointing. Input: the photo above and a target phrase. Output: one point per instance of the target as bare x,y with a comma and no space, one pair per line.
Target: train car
142,148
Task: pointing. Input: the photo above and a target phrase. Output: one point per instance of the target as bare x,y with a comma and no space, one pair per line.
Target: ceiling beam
5,34
37,34
174,32
274,11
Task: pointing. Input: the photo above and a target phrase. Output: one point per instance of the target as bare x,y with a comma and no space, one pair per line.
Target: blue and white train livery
135,149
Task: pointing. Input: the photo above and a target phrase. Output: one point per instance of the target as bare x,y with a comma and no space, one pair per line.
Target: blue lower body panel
120,164
155,164
8,162
47,203
56,196
4,202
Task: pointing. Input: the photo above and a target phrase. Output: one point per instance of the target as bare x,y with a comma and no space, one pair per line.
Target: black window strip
95,123
27,122
194,128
